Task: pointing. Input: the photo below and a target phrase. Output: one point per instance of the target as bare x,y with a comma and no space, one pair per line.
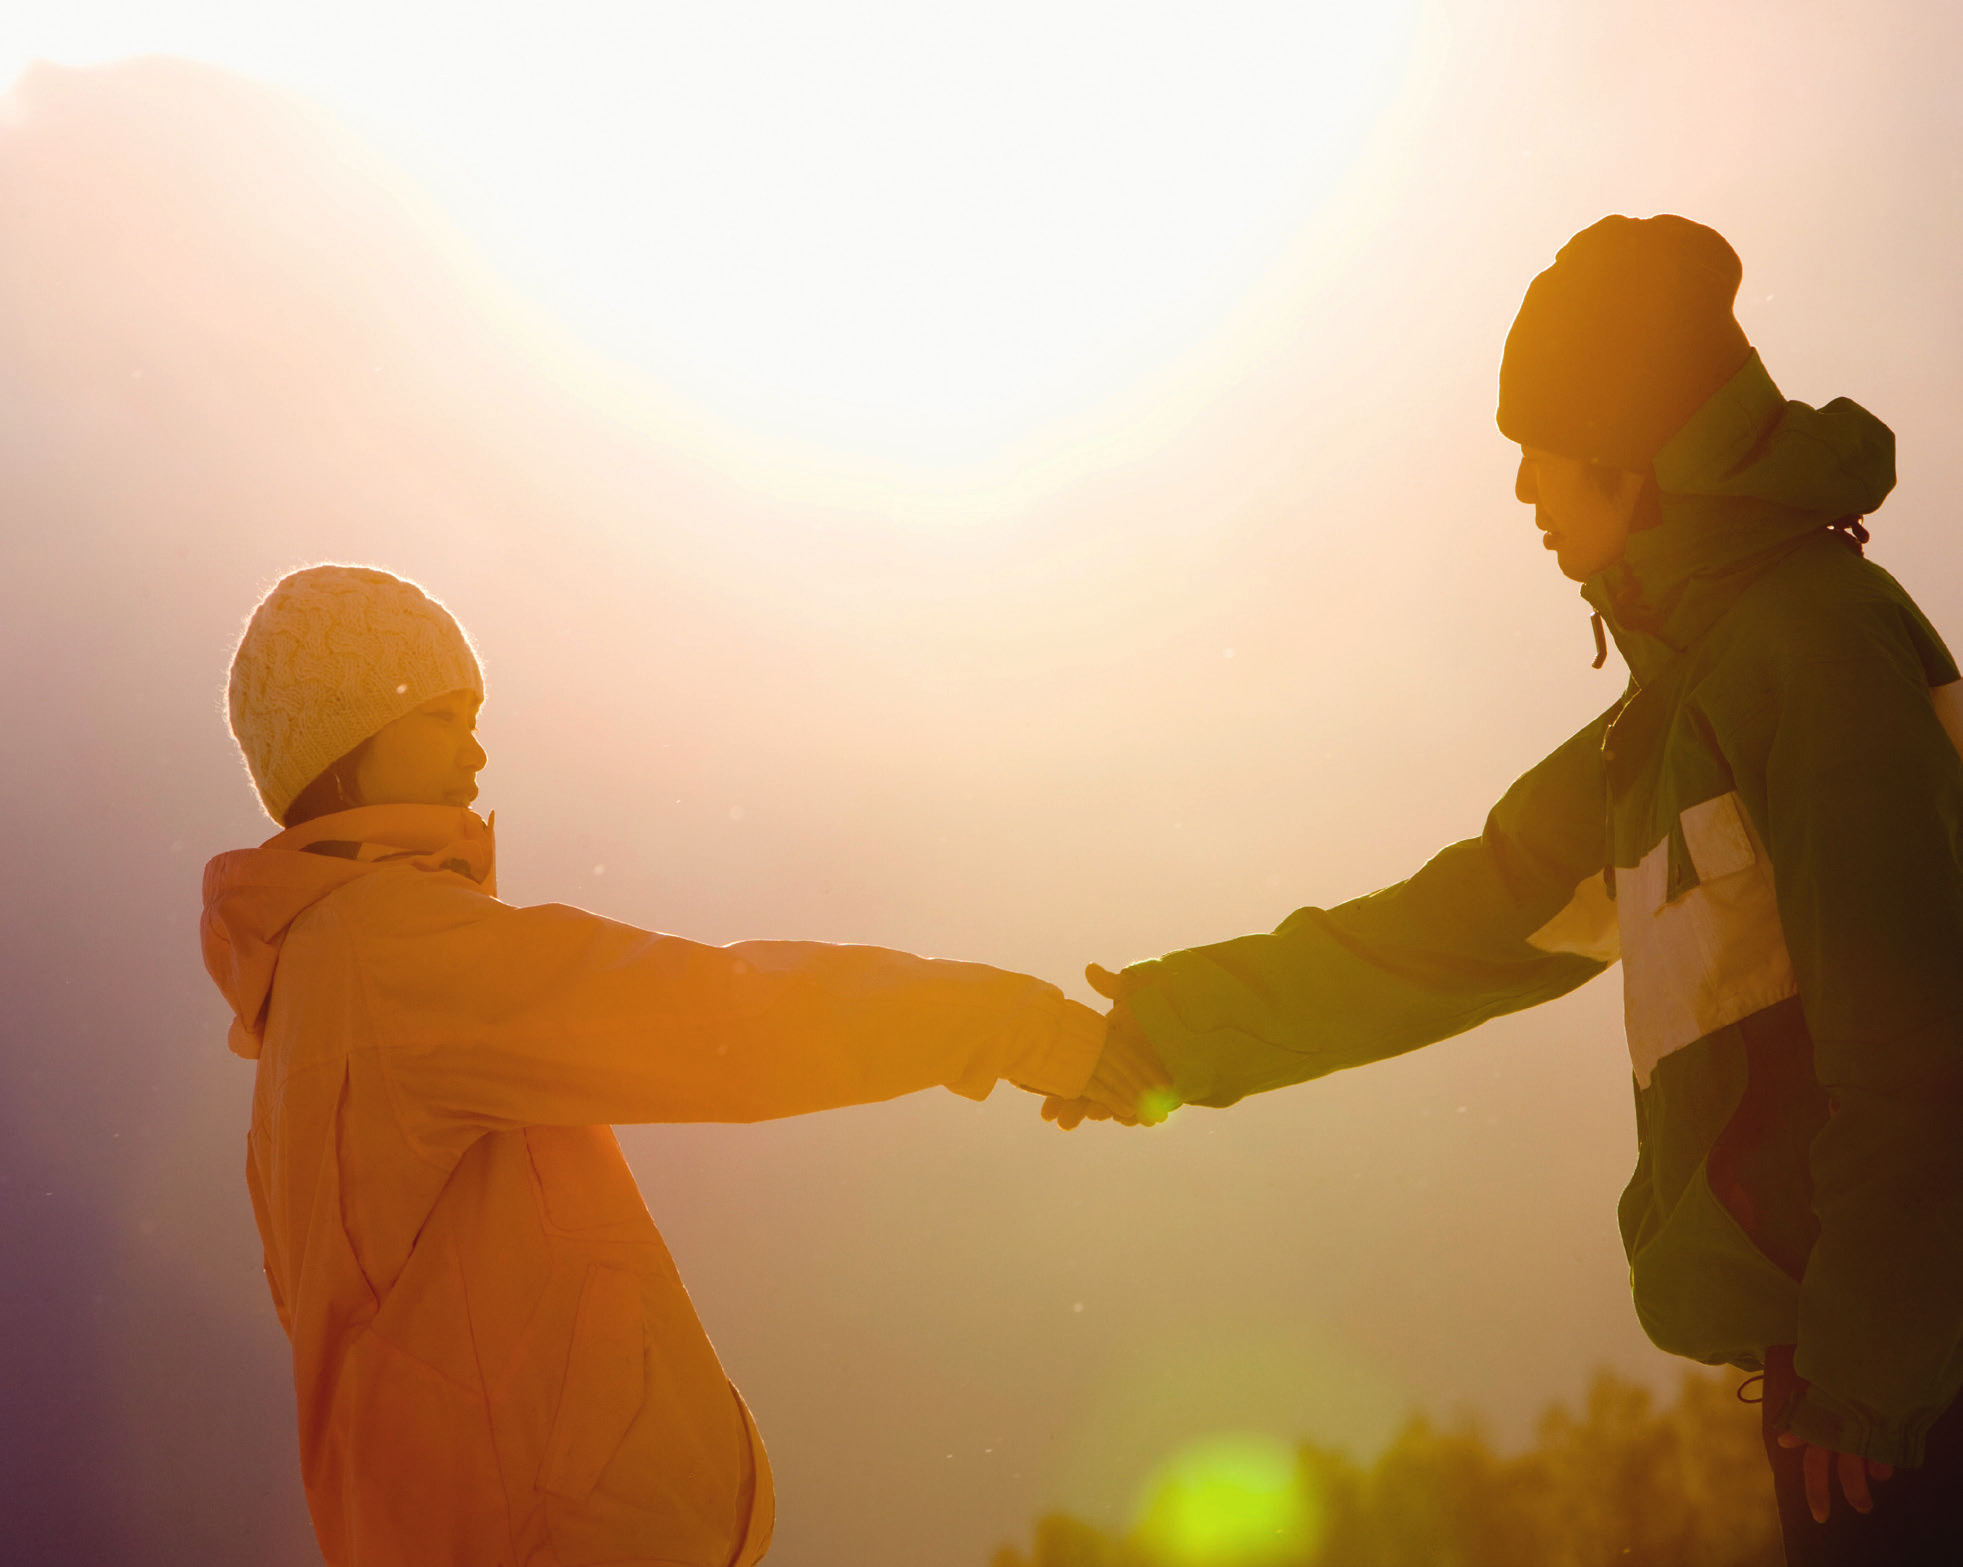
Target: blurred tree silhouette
1623,1483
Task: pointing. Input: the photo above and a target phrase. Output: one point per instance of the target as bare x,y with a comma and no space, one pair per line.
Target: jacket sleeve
1862,812
487,1016
1516,916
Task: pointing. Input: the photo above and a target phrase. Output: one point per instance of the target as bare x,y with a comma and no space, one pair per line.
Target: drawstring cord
1758,1377
1851,532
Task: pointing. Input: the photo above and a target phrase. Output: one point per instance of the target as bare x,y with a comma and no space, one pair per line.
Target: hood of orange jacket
253,896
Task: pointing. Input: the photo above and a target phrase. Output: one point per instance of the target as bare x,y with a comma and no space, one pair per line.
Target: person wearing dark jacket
1766,828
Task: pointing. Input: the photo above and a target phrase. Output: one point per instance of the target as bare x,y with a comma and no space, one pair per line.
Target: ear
1629,486
1641,500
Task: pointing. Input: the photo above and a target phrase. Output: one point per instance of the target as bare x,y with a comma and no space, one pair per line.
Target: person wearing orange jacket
496,1363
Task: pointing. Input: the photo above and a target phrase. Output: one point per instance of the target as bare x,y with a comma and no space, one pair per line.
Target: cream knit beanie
331,655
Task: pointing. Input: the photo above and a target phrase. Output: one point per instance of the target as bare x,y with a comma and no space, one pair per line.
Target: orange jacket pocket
606,1383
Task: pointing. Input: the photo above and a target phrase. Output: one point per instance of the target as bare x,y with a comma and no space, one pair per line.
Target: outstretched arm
486,1016
1503,921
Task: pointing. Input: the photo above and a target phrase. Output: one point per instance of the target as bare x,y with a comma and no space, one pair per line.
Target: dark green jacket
1767,829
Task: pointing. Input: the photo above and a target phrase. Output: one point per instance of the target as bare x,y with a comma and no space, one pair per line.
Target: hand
1130,1084
1854,1474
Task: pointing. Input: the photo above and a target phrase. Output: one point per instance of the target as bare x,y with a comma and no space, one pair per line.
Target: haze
1063,555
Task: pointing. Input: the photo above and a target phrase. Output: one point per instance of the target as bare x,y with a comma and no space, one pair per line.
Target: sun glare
912,218
1230,1502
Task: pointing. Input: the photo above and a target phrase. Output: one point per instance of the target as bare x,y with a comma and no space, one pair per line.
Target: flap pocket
1718,837
584,1182
606,1382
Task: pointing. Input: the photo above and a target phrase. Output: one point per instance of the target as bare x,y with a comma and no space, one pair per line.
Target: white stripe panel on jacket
1711,956
1585,926
1949,709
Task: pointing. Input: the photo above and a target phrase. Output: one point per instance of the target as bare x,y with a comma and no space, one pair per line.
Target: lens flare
1156,1104
1230,1501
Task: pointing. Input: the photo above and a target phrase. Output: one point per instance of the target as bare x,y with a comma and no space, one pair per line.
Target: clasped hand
1130,1085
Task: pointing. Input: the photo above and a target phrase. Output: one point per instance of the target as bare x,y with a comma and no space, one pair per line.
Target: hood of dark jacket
1751,477
253,896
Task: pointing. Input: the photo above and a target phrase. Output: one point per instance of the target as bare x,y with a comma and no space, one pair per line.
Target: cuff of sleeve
1064,1066
1829,1422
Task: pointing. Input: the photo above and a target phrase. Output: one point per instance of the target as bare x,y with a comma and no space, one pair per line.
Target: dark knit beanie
1620,341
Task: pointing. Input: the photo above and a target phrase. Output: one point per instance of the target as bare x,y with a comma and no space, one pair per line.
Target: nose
1526,485
472,756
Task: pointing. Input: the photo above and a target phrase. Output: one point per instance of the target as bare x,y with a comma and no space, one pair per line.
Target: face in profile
1582,510
428,756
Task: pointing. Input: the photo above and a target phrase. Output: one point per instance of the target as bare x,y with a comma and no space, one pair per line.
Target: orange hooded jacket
495,1360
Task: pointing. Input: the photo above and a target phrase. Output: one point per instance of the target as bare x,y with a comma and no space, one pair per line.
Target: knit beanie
331,655
1620,341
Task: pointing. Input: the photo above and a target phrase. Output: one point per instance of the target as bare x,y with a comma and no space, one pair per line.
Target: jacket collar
1749,479
451,838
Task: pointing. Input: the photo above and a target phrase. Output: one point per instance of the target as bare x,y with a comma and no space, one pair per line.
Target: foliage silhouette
1622,1483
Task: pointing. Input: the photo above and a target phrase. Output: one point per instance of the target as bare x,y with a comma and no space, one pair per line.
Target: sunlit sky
823,214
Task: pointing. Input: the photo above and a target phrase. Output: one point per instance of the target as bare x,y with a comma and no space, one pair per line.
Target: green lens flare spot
1236,1501
1155,1104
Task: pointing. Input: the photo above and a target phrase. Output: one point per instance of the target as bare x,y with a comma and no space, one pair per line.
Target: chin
1574,568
